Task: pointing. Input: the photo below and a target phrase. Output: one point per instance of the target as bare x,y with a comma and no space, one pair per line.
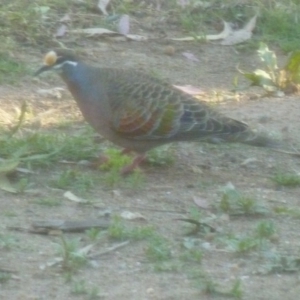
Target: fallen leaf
61,31
251,24
7,166
248,161
227,30
123,25
95,31
25,171
189,89
241,35
190,56
201,202
237,37
65,19
53,92
102,5
5,185
85,250
103,32
128,215
70,196
137,38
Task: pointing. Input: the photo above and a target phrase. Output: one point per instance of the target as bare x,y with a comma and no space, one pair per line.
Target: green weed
70,252
50,202
234,203
76,179
4,277
7,242
289,180
10,69
118,230
158,249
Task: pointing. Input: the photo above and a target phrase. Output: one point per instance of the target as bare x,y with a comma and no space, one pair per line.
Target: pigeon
139,112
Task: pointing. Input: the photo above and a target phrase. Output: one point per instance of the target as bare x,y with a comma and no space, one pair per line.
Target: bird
138,111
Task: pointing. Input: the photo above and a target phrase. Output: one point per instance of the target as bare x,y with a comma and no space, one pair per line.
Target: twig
7,270
111,249
296,154
156,210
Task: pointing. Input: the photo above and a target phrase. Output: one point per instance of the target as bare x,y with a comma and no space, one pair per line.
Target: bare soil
200,171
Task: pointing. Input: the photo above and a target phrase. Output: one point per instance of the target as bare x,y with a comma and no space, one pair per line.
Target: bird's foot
100,161
135,163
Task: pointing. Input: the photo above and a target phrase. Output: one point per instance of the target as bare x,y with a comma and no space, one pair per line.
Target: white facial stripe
73,63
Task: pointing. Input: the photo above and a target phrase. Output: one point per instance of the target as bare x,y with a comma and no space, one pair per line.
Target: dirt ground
199,171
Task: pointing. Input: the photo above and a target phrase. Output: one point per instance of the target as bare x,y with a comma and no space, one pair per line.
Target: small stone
169,50
150,290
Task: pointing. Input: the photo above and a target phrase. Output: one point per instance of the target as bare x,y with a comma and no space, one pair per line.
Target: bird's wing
144,108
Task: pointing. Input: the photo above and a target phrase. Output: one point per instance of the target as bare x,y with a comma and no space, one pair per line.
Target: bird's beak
42,70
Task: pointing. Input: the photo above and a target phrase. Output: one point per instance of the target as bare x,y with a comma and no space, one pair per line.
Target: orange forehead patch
50,58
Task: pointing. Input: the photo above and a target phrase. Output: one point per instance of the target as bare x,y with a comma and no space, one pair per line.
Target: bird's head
55,60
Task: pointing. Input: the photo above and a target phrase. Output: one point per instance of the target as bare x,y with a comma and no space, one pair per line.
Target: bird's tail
259,140
239,132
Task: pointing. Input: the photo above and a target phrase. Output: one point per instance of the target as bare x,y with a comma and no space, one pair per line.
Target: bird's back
145,108
127,105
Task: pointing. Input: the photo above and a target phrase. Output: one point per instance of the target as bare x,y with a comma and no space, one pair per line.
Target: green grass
42,148
72,257
7,241
277,24
211,287
283,210
286,179
235,203
10,69
4,277
33,24
94,234
112,170
158,249
258,239
118,230
50,202
81,287
75,179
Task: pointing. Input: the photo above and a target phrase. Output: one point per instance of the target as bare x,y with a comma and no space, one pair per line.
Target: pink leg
130,168
126,151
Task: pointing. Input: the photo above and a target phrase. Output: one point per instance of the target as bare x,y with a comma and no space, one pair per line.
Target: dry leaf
251,24
7,166
124,26
53,92
102,4
241,35
92,32
137,38
70,196
65,19
237,37
201,202
85,250
190,56
227,30
5,185
61,31
248,161
189,89
128,215
103,32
